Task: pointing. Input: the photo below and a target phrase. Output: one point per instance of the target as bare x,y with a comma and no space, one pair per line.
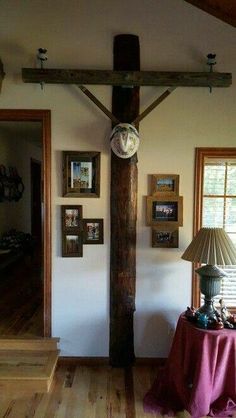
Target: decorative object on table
190,314
201,320
124,140
165,184
81,174
228,318
211,246
11,185
72,231
167,237
93,231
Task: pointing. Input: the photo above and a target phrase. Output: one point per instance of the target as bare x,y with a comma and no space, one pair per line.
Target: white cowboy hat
124,140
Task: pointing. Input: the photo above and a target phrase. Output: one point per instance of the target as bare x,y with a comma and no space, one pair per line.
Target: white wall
79,34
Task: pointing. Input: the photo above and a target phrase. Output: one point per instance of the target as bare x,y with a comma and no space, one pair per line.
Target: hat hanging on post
124,140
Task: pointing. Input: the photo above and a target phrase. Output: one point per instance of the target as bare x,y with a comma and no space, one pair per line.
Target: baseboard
104,361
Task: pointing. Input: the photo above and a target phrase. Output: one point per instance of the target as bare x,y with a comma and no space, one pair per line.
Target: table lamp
212,247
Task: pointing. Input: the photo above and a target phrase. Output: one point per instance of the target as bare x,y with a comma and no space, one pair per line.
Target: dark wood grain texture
222,9
127,77
124,177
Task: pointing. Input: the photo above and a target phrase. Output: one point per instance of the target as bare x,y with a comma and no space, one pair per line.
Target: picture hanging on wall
71,216
165,237
81,174
93,231
167,184
164,210
72,231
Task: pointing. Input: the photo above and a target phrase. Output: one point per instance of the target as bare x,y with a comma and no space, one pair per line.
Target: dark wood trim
43,116
127,78
104,361
123,198
200,155
222,9
83,361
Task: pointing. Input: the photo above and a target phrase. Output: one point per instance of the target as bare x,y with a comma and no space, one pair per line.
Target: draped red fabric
200,374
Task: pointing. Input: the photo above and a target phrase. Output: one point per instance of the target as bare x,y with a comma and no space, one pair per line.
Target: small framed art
93,231
72,245
72,231
71,217
165,237
81,174
165,210
165,184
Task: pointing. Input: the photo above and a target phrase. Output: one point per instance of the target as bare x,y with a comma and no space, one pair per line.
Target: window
215,206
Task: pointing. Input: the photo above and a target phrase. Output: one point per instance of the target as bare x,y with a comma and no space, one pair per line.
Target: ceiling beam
222,9
127,78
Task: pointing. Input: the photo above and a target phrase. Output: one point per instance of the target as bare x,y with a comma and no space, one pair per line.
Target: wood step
28,366
15,343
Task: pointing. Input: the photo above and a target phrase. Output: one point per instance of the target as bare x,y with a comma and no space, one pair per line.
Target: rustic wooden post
125,106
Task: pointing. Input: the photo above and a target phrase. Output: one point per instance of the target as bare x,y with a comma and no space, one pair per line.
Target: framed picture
93,231
72,245
81,174
71,217
167,237
167,184
164,210
72,231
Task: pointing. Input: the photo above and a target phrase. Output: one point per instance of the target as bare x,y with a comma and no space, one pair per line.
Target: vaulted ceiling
222,9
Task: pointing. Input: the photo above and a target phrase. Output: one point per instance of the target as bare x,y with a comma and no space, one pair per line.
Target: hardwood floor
85,392
21,299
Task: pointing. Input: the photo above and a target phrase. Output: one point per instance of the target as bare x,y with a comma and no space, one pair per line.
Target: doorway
36,201
30,215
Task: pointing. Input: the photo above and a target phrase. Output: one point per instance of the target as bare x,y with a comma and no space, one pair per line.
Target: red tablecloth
200,374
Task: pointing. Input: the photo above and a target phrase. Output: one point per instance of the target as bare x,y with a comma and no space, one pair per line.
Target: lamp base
208,309
210,286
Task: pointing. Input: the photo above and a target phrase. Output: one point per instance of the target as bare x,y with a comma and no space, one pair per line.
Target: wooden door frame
43,116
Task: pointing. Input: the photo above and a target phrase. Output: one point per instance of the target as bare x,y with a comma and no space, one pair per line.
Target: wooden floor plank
85,392
142,383
102,375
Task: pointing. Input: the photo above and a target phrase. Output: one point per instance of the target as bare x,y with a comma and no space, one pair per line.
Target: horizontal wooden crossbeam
127,78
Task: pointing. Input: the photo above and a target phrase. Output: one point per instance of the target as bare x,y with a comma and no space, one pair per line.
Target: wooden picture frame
72,245
71,218
72,231
81,173
165,237
165,184
164,210
93,231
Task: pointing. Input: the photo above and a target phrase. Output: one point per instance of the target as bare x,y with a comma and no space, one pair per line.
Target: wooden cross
125,108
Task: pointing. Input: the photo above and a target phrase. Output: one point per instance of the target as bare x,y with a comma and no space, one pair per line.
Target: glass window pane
230,215
233,238
231,180
214,179
213,212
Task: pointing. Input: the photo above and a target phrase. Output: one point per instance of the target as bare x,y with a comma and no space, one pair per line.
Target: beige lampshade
211,246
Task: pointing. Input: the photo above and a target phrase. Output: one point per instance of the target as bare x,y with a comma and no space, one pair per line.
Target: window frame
200,155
